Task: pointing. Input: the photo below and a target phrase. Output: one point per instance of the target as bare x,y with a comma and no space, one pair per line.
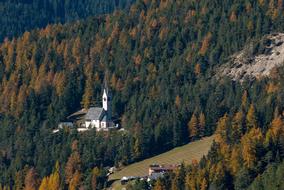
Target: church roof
94,113
105,85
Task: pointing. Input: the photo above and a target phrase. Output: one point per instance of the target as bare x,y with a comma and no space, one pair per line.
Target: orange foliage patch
137,59
205,44
272,88
189,15
233,17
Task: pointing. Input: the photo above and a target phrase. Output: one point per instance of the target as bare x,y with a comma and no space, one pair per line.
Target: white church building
100,117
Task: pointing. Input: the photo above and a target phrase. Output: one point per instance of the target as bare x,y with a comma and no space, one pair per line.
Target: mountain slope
159,57
19,16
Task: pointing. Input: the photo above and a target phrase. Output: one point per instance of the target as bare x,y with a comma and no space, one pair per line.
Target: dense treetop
160,56
17,16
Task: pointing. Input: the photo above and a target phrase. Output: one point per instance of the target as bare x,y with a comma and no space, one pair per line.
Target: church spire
107,97
105,82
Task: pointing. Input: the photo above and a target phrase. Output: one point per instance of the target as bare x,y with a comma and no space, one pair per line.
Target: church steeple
107,99
106,82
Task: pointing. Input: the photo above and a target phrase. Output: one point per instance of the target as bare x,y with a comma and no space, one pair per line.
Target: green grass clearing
186,154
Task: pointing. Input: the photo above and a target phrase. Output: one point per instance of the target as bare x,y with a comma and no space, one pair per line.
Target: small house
154,169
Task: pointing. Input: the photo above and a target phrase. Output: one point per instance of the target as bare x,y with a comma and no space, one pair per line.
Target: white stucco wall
87,123
98,124
103,124
95,123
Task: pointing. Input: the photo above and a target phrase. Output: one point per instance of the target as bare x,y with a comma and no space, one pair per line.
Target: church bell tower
107,102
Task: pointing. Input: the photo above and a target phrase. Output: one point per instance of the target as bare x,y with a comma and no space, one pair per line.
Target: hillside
184,154
18,16
159,59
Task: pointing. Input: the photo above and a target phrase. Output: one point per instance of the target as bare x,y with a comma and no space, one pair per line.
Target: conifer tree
19,180
245,100
159,185
237,126
204,184
95,174
75,181
190,181
31,180
251,120
223,130
235,160
193,127
54,179
73,166
178,101
251,146
137,147
88,94
201,120
44,184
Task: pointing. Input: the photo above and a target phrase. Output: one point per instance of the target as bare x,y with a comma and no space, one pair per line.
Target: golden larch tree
245,100
95,174
197,69
54,179
159,185
193,127
205,44
88,93
201,125
233,16
237,125
251,119
235,160
44,184
178,101
75,181
73,165
204,184
31,180
250,143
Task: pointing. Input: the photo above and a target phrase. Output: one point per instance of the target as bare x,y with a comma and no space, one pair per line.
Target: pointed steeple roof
105,83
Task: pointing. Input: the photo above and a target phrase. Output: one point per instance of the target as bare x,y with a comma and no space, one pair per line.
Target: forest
160,56
18,16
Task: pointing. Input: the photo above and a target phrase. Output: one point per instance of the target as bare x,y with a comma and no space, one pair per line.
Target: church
99,118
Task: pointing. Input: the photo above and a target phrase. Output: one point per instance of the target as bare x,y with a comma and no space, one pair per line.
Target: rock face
256,60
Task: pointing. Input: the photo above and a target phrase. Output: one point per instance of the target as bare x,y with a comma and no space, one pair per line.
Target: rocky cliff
257,60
